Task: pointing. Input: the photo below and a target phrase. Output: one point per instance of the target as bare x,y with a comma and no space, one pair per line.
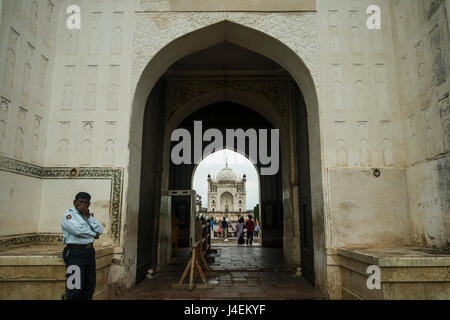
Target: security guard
80,229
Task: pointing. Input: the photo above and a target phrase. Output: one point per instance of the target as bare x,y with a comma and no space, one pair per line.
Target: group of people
248,227
80,229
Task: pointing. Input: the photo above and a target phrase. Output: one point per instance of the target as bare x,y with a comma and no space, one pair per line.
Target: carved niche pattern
48,22
117,33
72,42
333,31
400,18
341,145
439,61
68,96
364,157
382,87
4,112
10,65
444,112
356,45
42,78
413,144
386,133
95,33
183,91
404,65
377,40
62,148
420,63
338,88
26,78
113,88
86,143
36,143
33,17
20,133
429,139
359,91
90,97
110,143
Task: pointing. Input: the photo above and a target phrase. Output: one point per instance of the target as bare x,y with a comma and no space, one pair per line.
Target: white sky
216,162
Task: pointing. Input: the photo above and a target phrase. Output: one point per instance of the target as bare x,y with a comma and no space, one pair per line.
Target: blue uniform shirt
77,229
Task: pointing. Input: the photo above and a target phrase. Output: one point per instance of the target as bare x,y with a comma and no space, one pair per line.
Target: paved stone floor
241,272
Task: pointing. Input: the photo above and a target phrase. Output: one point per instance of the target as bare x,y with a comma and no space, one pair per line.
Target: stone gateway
362,114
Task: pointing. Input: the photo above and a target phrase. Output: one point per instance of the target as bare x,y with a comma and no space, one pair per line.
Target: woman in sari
240,230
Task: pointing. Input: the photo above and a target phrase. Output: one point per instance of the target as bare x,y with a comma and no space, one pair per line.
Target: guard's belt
80,246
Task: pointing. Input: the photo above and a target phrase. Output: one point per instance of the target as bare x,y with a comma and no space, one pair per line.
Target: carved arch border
160,41
180,92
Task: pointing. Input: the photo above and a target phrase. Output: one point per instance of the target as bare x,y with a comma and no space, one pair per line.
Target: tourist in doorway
80,229
240,231
224,228
232,228
256,230
250,226
212,227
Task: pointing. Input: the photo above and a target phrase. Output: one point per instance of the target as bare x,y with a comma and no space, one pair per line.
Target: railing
202,244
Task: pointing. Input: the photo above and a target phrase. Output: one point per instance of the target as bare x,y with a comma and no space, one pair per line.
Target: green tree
256,213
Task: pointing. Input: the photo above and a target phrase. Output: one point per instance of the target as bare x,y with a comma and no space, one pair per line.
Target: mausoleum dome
226,175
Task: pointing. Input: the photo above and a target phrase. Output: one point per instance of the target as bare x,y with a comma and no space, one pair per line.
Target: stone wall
90,100
421,51
75,99
27,58
29,190
362,127
229,5
19,216
27,55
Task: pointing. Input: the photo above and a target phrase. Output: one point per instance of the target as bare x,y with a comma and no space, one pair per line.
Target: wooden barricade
206,236
193,266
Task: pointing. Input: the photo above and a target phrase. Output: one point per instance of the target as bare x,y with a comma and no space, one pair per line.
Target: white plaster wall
29,36
228,5
374,217
429,197
91,98
421,42
58,196
20,201
362,128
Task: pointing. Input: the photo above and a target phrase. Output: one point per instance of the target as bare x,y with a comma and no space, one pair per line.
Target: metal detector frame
192,193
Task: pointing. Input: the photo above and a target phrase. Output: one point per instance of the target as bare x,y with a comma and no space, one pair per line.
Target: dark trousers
249,237
85,259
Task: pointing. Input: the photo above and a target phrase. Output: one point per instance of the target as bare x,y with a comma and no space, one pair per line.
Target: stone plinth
406,273
37,272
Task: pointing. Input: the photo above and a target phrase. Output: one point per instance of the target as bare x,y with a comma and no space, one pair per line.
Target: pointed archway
269,47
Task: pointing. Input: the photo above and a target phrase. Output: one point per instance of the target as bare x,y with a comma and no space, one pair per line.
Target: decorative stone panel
155,30
182,91
26,169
